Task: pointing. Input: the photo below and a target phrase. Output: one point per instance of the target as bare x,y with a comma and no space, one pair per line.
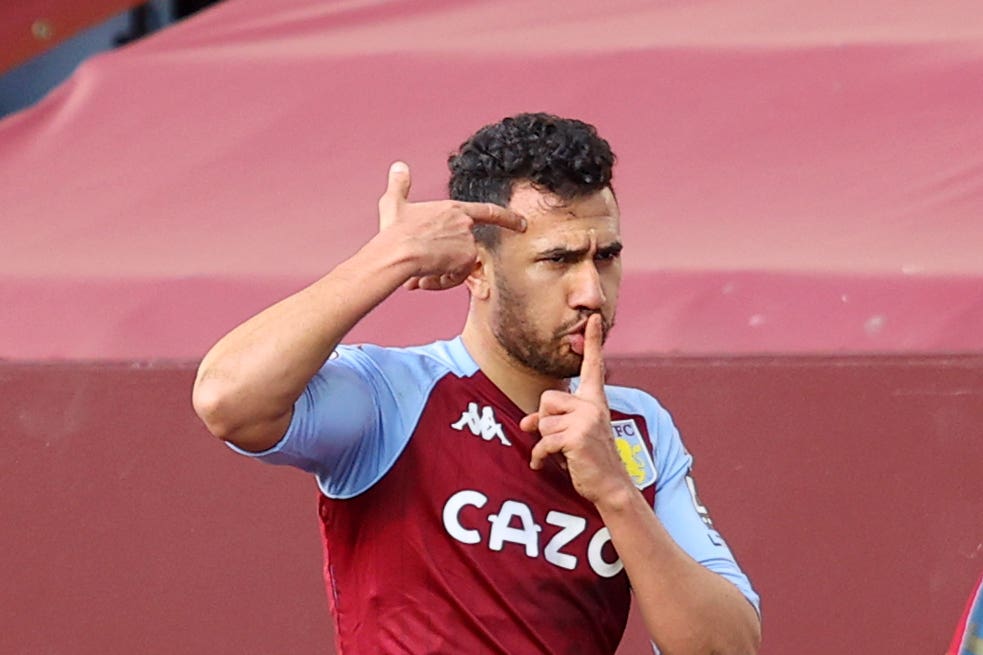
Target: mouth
579,328
577,342
575,337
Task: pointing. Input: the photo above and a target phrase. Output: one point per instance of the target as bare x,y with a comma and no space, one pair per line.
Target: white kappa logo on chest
481,425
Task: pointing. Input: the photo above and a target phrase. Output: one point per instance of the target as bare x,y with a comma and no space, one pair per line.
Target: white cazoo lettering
527,533
502,530
572,526
452,510
601,567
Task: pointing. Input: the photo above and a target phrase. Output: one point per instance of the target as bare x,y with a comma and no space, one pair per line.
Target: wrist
619,499
384,254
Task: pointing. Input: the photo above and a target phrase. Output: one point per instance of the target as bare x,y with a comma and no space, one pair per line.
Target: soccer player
488,494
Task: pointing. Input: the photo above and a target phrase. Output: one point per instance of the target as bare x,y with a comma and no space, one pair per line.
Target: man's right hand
248,382
437,234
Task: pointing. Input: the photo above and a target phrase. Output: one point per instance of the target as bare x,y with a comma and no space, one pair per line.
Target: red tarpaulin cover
794,177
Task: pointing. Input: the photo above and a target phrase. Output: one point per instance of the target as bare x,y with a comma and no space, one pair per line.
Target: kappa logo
481,425
635,455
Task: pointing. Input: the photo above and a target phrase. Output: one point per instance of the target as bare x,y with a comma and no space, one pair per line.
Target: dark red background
849,488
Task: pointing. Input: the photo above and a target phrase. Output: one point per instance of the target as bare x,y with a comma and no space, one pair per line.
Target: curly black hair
564,156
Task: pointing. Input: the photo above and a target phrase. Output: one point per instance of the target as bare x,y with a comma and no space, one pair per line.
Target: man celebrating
488,494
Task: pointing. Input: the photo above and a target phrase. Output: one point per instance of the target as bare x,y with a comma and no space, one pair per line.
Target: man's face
550,278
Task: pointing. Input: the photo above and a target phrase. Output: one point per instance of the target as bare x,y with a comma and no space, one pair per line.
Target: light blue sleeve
354,417
684,517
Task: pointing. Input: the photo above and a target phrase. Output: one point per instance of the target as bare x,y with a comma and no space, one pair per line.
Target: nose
586,291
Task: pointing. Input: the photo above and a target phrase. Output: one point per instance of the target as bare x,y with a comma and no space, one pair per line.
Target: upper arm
353,418
333,413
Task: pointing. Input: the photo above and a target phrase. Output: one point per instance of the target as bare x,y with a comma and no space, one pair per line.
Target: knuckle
550,396
548,444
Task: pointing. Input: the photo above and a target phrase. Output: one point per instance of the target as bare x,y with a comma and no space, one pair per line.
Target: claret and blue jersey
438,536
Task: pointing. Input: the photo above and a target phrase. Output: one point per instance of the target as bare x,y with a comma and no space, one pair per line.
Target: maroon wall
849,487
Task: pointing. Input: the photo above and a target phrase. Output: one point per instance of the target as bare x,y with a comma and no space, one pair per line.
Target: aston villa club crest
634,453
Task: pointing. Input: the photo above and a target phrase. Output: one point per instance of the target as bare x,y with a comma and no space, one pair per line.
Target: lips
575,336
579,328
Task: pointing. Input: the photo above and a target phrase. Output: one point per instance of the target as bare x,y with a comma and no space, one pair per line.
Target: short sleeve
352,420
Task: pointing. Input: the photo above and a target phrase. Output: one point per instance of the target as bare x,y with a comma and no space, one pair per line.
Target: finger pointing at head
592,365
492,214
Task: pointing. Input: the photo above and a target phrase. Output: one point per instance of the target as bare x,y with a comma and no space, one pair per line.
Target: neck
522,385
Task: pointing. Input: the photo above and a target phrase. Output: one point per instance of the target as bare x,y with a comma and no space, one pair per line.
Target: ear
482,276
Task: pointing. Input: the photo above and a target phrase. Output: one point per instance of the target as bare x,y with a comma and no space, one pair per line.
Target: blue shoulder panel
359,411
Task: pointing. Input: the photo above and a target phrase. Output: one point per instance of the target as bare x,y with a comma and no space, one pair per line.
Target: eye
607,255
557,257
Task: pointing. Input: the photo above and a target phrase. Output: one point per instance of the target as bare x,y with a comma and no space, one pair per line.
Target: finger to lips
592,365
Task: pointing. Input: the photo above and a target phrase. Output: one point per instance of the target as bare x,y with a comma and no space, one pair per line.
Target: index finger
592,365
492,214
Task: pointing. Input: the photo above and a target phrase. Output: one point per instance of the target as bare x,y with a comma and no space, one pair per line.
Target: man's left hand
577,427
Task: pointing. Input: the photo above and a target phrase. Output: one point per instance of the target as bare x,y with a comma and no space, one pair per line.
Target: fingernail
399,167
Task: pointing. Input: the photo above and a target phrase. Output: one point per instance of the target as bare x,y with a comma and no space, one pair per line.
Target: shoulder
629,400
635,402
431,361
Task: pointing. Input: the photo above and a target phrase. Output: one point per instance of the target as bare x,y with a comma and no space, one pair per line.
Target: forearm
248,382
687,608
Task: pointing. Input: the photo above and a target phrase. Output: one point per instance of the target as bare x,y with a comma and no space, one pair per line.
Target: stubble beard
523,343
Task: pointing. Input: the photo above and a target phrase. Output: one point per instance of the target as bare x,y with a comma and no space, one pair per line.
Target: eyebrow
613,248
574,254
